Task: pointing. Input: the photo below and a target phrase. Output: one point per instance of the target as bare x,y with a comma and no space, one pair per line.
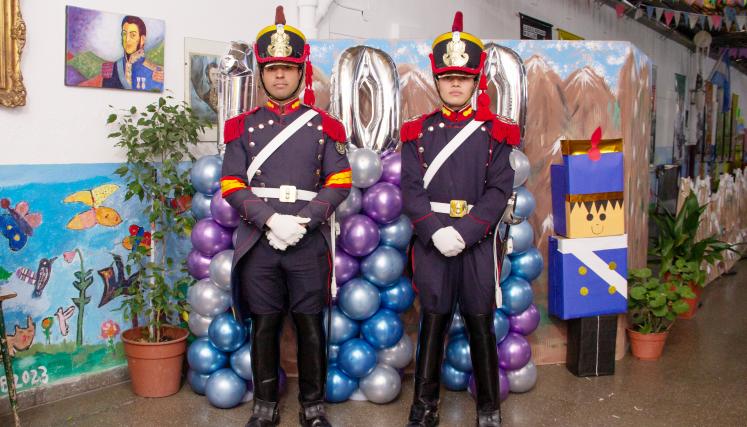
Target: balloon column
517,317
368,347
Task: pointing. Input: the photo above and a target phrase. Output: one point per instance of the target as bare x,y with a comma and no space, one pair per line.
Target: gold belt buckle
287,193
457,208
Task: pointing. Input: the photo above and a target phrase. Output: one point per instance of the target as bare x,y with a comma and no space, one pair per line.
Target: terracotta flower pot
692,302
647,346
155,368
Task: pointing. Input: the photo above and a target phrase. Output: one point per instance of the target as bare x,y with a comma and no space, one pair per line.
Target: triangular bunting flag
639,13
650,11
702,21
692,19
668,15
620,9
677,15
689,2
741,21
715,22
659,11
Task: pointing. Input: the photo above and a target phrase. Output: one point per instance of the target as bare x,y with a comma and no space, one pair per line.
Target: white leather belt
456,208
285,193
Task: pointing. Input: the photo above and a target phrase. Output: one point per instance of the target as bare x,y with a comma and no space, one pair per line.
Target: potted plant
156,142
653,306
677,244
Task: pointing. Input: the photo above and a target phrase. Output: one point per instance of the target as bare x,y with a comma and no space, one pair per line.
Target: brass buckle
457,208
287,193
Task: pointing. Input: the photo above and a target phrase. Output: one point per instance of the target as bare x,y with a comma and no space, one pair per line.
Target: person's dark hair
129,19
208,67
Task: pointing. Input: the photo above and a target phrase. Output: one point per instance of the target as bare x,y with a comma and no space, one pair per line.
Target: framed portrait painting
201,80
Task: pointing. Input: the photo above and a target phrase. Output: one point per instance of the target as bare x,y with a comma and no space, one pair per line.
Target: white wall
63,124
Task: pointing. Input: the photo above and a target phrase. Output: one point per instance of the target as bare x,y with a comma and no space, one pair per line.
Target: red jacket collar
457,116
283,109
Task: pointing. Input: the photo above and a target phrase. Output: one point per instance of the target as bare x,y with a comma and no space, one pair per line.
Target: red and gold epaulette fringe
235,125
332,127
505,129
412,129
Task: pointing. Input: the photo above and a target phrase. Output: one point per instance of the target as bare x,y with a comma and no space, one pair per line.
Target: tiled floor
700,381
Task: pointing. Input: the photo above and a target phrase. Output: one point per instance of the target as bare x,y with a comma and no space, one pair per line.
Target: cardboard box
587,215
591,346
587,277
580,173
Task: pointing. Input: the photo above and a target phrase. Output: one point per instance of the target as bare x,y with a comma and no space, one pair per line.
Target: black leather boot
265,364
424,409
484,368
312,368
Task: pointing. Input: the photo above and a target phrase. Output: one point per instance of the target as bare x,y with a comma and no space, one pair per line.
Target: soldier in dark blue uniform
455,195
281,260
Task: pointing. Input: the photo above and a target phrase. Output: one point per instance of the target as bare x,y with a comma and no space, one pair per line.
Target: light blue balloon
501,325
398,233
339,385
525,202
505,269
357,358
343,327
197,381
454,379
517,295
206,173
201,206
225,389
457,325
522,237
527,265
458,355
358,299
241,361
333,351
204,358
398,297
225,333
383,329
383,266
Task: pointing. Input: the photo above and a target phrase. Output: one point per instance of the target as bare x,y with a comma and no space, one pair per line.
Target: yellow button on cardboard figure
612,265
582,270
612,290
584,291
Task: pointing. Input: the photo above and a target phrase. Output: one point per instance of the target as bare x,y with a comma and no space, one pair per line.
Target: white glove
275,241
448,241
287,228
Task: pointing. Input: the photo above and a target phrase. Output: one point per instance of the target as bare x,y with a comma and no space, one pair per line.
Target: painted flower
47,322
109,329
69,256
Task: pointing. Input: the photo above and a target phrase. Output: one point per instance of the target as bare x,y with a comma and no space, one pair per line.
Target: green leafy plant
677,238
156,141
654,303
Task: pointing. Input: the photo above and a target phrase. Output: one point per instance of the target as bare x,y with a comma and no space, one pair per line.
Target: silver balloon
220,269
366,166
399,355
382,385
504,70
351,205
358,396
207,299
525,203
199,324
522,237
205,174
520,164
234,237
237,83
201,206
241,361
341,84
523,379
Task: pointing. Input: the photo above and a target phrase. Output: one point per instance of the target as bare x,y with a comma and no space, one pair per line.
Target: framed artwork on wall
201,80
12,40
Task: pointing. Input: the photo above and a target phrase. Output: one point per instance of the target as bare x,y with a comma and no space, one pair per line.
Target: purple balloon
209,237
392,168
525,322
346,267
514,351
359,235
502,383
198,265
383,202
223,213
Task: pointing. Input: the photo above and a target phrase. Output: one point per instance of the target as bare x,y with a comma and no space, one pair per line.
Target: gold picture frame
12,40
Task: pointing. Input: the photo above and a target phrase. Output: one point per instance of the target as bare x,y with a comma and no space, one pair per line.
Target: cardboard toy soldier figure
285,171
456,180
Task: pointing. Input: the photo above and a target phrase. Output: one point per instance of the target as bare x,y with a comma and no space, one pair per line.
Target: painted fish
98,214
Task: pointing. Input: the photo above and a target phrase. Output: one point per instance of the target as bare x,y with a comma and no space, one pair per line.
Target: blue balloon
343,327
457,325
357,358
225,333
517,295
505,269
241,361
358,299
383,329
204,358
339,385
383,266
522,237
201,206
398,233
501,325
333,351
205,174
525,202
197,381
398,297
527,265
458,355
225,389
454,379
